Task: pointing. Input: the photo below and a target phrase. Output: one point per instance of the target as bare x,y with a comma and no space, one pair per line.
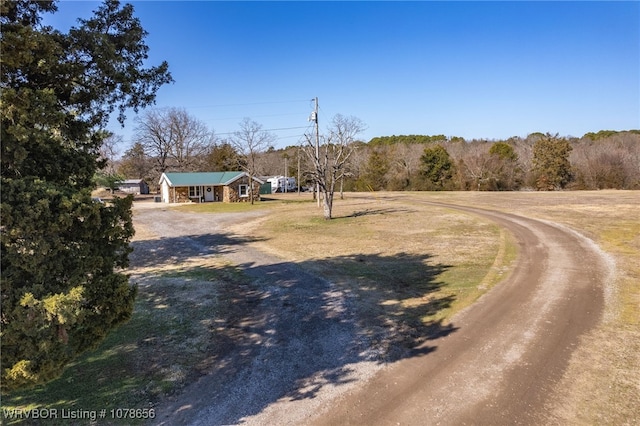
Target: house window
194,191
243,190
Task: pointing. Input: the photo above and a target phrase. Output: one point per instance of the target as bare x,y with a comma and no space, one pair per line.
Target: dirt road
306,365
511,347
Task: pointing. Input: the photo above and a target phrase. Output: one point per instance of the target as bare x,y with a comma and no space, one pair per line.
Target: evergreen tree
136,164
374,177
508,173
223,158
60,251
550,165
504,151
437,168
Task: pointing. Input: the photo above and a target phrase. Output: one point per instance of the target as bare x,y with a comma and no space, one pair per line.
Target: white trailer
282,184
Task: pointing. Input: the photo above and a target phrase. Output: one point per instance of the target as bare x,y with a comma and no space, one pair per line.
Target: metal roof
201,178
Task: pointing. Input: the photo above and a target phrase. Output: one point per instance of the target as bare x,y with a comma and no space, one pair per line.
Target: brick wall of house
182,195
232,192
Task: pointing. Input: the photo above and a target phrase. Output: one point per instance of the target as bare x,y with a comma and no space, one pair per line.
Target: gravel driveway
297,345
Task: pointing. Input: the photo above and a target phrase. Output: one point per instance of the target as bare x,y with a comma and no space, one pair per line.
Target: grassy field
412,264
407,256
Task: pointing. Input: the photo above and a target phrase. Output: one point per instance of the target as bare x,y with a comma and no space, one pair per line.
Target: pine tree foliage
62,289
551,166
376,169
436,167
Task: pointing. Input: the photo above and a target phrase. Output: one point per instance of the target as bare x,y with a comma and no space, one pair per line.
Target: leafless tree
192,140
153,134
330,159
480,166
173,139
611,162
405,163
250,141
109,153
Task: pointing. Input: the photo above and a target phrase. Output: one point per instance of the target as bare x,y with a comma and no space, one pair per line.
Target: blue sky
472,69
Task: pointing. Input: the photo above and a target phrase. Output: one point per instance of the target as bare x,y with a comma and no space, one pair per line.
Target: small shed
134,186
204,187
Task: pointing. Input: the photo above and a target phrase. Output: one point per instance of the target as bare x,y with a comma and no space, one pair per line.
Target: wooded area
539,161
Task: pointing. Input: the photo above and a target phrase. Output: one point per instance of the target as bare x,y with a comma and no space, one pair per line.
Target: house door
208,193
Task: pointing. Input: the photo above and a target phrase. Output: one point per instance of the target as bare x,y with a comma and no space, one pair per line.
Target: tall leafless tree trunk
155,137
191,140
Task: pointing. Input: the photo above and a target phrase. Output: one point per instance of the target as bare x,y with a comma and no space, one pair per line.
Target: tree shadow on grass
291,332
369,212
175,250
270,331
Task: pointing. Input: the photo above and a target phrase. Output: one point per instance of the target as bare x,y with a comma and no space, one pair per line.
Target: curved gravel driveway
511,347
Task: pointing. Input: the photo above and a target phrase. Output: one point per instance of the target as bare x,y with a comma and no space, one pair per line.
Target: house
134,186
206,187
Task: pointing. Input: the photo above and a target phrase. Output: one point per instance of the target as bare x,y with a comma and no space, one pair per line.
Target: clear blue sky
472,69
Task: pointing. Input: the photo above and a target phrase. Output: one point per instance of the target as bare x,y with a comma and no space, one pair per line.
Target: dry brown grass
378,238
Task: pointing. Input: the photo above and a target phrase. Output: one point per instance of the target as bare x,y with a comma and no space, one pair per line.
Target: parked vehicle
282,184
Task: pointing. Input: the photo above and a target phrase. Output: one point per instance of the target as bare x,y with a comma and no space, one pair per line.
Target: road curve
511,348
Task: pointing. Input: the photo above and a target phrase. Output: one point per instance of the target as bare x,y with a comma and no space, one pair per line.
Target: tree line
171,140
539,161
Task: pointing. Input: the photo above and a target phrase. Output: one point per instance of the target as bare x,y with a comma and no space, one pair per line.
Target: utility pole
315,114
298,171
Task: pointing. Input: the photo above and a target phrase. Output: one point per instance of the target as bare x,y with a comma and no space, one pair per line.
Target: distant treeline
425,139
542,161
539,161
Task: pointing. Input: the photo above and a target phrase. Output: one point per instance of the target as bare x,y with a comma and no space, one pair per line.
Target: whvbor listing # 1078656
77,414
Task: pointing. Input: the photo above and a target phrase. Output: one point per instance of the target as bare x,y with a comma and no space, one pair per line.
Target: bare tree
174,139
480,166
153,134
249,142
405,160
192,140
109,153
605,163
329,160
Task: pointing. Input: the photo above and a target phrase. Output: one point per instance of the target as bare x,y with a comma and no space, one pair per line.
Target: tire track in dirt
511,348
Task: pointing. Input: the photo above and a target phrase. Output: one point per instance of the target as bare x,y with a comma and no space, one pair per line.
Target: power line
289,114
268,130
245,104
